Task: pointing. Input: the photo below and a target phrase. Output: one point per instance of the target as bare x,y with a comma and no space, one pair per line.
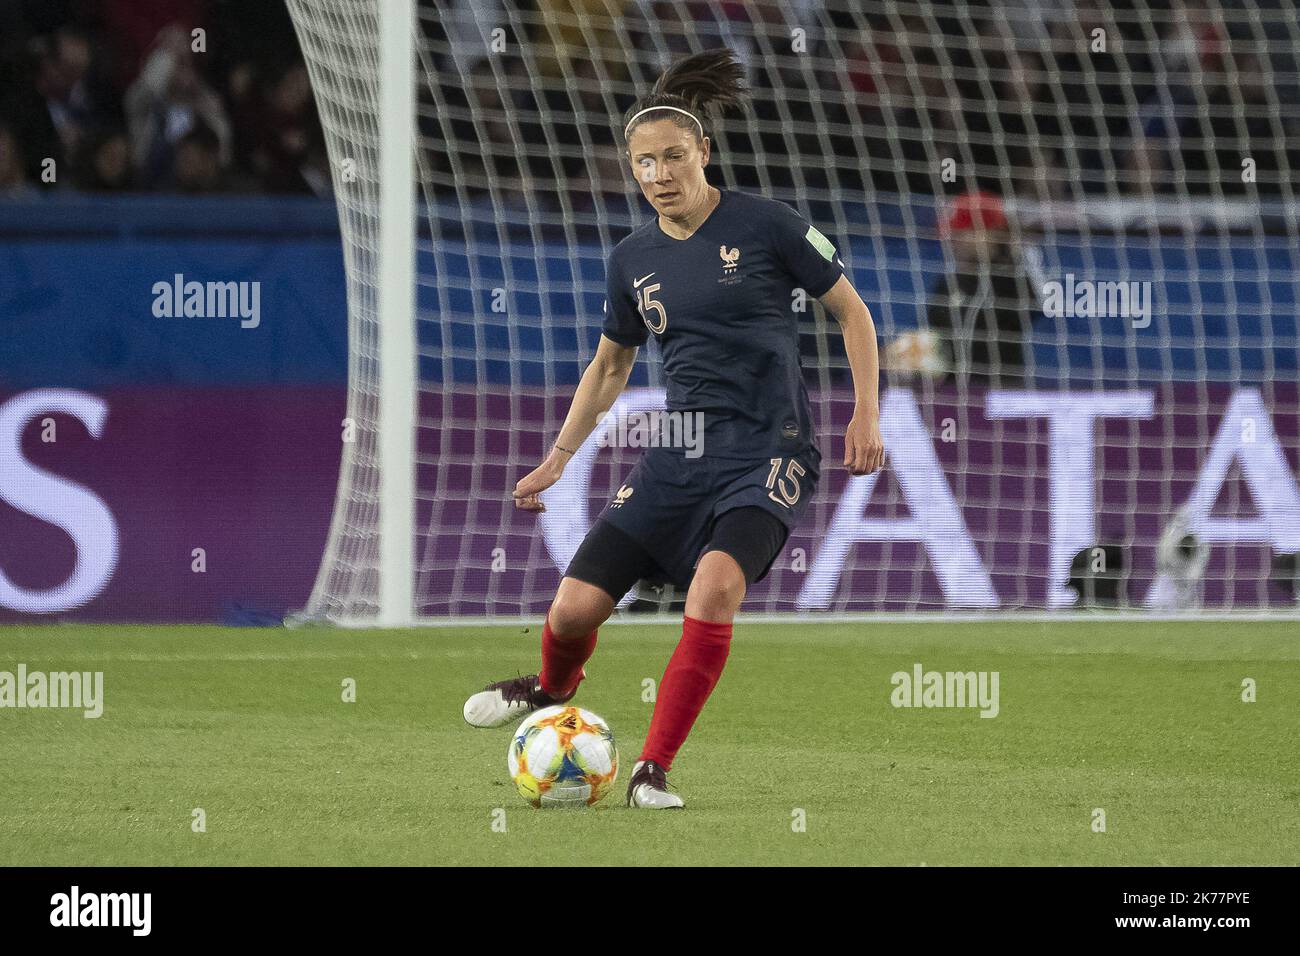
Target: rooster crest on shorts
620,499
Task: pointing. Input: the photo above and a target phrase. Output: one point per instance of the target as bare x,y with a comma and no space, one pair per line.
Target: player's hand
864,449
535,482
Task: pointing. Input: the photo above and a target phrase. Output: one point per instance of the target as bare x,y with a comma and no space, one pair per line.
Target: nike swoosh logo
637,283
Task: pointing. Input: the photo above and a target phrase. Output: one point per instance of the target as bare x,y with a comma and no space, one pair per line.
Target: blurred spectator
1145,164
1030,129
983,309
31,124
1242,127
167,101
63,67
466,33
1099,88
573,30
287,146
13,178
197,165
104,165
131,27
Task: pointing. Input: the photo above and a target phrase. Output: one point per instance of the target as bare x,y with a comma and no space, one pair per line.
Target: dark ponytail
700,84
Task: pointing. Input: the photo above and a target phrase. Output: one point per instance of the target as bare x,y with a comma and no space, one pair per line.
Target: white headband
652,108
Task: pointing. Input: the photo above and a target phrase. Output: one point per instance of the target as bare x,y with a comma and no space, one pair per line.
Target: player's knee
718,586
575,613
569,619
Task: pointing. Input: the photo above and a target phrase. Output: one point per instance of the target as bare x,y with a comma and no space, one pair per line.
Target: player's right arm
602,383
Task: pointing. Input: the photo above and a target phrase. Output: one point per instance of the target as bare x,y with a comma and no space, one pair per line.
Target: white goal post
361,58
396,308
1132,444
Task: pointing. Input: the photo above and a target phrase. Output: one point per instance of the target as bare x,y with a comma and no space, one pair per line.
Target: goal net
1075,224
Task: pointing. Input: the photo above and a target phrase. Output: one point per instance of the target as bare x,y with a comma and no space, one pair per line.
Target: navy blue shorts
669,503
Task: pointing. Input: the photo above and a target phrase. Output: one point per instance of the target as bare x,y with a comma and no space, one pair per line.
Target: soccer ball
563,757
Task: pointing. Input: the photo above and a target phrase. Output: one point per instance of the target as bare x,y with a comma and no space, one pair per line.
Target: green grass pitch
1143,720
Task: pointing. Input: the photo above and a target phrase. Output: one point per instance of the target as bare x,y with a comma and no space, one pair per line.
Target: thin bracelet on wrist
559,447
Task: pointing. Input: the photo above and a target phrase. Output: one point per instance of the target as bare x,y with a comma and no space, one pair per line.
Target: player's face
668,163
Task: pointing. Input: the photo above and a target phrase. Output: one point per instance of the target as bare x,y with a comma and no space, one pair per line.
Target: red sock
562,661
692,673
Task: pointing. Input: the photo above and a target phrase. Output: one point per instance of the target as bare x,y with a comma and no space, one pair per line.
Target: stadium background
227,439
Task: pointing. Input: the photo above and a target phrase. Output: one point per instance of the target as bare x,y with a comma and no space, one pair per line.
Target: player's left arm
864,450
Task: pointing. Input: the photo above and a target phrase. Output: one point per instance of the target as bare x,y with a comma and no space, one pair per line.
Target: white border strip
880,617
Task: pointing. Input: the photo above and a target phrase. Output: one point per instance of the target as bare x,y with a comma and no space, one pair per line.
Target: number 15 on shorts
783,487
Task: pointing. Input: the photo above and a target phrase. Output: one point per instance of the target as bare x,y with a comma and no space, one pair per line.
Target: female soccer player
713,278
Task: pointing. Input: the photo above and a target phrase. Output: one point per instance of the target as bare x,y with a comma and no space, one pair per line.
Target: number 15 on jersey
647,303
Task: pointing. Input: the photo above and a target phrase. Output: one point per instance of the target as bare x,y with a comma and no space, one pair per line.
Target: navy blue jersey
721,304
